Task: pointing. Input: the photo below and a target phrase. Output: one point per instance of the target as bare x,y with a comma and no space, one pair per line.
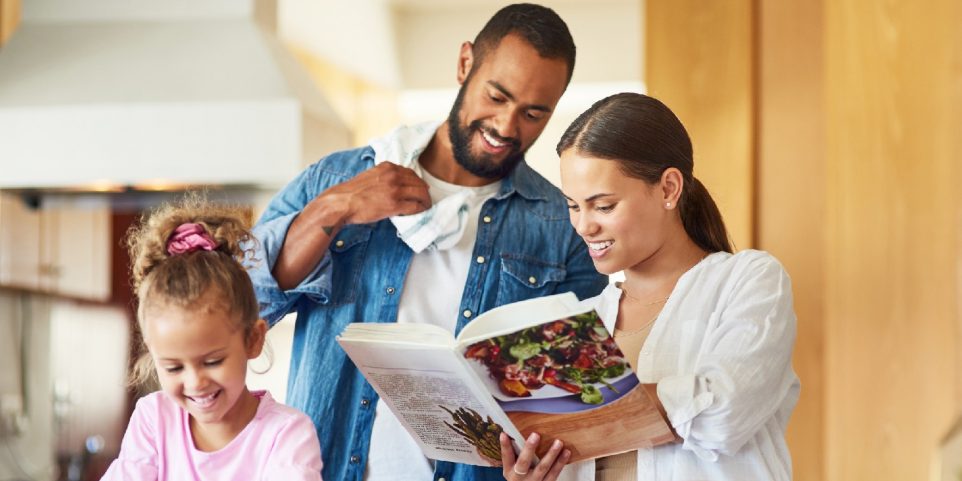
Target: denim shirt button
467,313
339,243
365,402
355,459
532,280
487,219
480,259
389,290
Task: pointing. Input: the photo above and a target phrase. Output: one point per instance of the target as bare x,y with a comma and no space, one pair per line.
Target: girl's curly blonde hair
185,280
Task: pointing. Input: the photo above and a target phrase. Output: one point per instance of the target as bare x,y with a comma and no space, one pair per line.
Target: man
340,243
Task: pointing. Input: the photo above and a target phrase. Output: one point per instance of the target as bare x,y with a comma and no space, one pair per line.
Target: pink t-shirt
280,443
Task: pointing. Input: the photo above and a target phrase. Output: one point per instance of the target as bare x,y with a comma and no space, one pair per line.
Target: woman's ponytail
702,220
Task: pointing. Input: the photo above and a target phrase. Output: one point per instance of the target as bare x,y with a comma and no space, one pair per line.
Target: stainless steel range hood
138,93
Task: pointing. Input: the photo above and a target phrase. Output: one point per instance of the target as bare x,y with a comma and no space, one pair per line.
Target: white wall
29,454
356,35
608,34
88,356
270,371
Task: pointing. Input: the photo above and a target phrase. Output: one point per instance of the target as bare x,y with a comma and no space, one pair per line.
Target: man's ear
256,338
465,61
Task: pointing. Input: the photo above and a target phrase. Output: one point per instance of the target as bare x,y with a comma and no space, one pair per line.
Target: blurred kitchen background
830,133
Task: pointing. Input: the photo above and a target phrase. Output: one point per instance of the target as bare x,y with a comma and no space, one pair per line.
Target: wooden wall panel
892,88
791,197
698,60
9,18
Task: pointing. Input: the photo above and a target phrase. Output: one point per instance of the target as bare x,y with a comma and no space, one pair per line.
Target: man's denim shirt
530,250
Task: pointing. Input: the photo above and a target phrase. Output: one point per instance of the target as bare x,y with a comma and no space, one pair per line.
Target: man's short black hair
539,26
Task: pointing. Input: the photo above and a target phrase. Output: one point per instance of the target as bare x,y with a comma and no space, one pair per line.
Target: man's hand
377,193
384,191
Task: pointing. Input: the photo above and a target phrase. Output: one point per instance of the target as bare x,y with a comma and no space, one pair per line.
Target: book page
567,379
432,395
510,317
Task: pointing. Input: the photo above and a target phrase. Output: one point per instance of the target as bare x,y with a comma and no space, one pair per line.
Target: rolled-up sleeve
743,372
271,232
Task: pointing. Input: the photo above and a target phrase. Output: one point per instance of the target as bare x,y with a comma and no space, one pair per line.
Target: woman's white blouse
721,354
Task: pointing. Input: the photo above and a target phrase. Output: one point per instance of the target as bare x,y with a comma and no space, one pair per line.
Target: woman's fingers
548,461
517,468
558,465
527,455
507,453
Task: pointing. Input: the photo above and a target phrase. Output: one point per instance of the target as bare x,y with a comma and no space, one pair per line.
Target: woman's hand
520,469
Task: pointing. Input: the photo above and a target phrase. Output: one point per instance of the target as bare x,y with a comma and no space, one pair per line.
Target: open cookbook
545,365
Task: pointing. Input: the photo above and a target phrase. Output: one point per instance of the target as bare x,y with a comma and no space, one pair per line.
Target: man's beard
483,165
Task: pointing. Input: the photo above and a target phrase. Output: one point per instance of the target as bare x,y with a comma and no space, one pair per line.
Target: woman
709,332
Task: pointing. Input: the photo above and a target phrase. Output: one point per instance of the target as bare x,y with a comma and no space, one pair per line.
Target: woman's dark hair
646,138
539,26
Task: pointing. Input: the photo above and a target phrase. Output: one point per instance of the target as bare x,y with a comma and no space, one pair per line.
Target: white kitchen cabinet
63,249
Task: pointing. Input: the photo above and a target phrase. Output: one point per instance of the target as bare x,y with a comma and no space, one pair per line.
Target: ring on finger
515,469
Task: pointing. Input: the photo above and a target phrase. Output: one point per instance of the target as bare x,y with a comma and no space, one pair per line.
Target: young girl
709,333
199,323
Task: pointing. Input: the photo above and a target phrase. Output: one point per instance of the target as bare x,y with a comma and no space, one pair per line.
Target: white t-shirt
431,294
721,354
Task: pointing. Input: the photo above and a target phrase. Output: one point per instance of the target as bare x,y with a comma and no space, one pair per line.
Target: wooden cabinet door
75,257
19,244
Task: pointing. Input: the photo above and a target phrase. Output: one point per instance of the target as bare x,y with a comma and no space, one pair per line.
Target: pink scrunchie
189,238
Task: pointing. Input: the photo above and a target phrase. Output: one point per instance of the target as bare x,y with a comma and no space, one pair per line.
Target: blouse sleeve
296,455
138,453
744,372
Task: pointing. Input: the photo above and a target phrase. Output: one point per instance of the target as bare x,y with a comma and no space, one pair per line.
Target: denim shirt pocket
523,277
348,249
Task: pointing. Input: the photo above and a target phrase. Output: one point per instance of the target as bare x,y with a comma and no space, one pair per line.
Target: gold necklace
648,324
621,332
657,301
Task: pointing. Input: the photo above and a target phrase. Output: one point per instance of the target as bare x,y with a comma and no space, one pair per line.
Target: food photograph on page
563,366
482,433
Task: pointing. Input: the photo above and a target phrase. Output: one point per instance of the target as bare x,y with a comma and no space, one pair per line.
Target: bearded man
434,223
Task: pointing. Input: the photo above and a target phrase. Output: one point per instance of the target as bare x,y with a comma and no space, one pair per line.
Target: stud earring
668,205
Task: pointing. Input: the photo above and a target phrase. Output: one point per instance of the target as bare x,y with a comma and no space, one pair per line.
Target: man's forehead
517,70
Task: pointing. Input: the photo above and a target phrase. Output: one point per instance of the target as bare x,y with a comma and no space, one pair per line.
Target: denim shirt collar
523,180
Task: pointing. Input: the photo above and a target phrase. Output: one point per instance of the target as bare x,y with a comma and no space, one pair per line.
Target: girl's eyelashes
573,207
210,363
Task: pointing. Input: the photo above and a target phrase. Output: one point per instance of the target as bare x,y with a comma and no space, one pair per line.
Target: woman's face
621,218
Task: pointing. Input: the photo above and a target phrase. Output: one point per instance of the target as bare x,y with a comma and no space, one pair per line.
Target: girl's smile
201,354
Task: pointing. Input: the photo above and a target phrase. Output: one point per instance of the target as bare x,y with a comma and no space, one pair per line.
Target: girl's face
201,357
621,218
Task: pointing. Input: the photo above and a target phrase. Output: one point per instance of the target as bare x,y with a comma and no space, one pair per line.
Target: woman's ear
465,61
672,185
256,338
